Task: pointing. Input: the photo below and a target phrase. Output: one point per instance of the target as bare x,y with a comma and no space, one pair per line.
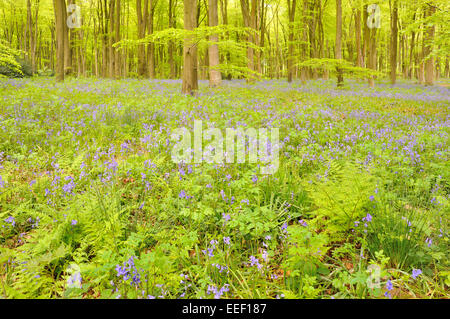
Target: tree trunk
394,37
291,14
215,77
250,15
141,26
340,77
60,21
31,37
117,39
67,49
151,45
372,51
411,53
190,80
428,38
359,56
171,45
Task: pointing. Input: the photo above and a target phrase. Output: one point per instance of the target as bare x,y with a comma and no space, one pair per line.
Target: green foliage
10,66
340,197
345,66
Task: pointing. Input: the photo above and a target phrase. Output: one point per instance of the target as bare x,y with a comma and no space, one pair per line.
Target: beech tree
291,4
429,10
190,81
60,21
340,78
215,78
394,38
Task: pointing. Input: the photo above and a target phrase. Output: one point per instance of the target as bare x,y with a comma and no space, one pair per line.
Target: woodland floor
91,204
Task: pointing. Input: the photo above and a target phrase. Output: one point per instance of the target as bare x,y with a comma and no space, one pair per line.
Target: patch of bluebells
389,287
210,250
74,281
416,273
184,195
217,292
2,183
11,220
128,271
221,268
367,219
185,284
36,222
303,223
253,261
68,188
284,232
226,217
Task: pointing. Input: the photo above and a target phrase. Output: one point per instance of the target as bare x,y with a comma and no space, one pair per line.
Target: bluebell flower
416,272
11,220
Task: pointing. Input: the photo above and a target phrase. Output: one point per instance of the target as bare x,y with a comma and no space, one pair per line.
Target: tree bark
394,42
117,39
359,56
171,45
59,28
340,77
67,48
141,26
151,45
372,52
190,80
428,38
215,77
290,60
250,15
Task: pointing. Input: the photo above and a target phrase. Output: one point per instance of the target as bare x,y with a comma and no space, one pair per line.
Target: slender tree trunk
420,58
67,48
394,37
290,60
411,53
111,61
117,39
304,45
215,77
366,32
31,37
224,10
249,15
171,46
372,53
428,38
151,45
60,21
359,56
190,80
340,77
141,26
